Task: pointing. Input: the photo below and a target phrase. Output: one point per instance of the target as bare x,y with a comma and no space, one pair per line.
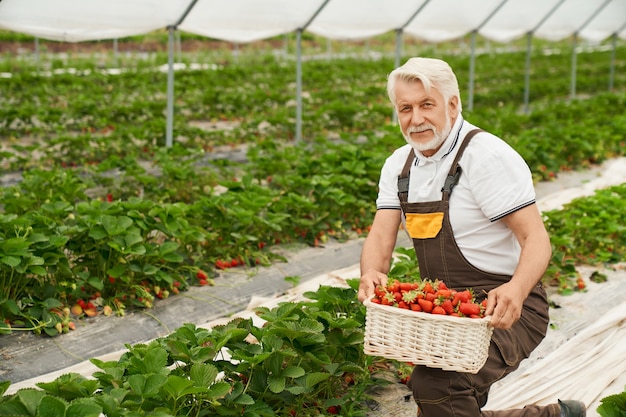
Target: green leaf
203,374
155,360
4,386
11,261
116,225
276,384
168,247
293,372
152,385
29,399
244,399
97,233
173,257
137,383
219,390
313,378
84,407
613,405
52,407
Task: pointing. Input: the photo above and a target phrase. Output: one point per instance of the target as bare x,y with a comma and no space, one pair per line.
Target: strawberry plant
307,359
572,243
613,405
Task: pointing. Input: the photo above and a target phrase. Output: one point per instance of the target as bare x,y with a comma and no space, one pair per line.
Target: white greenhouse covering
244,21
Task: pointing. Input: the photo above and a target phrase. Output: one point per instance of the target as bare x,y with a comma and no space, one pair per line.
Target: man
467,201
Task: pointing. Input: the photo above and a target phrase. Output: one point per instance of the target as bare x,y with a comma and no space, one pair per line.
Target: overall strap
455,170
403,178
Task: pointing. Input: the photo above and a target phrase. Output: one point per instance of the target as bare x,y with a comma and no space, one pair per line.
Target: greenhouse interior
188,187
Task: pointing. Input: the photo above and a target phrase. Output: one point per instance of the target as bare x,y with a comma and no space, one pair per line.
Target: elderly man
467,201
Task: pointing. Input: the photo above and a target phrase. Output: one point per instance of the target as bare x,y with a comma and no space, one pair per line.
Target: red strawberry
416,307
428,288
445,293
427,306
439,310
469,309
447,306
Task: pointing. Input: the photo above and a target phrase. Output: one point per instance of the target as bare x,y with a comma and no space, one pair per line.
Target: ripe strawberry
469,309
379,291
393,286
201,275
439,310
461,297
388,299
427,306
333,409
447,306
445,293
428,288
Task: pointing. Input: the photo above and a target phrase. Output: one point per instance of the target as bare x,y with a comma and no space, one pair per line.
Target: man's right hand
368,283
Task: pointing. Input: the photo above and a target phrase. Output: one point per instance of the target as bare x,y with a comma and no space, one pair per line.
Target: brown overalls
441,393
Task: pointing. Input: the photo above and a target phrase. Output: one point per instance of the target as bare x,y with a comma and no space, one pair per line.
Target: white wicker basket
437,341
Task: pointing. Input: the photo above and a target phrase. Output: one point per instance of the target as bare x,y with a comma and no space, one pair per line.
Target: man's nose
417,117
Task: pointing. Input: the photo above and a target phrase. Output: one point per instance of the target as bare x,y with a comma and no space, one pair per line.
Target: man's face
425,118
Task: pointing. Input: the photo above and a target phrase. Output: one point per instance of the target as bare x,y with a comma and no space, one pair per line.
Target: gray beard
434,143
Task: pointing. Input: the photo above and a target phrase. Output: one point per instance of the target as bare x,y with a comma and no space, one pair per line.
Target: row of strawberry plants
306,360
127,251
132,103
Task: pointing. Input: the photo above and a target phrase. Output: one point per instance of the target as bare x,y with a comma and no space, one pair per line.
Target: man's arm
504,303
377,251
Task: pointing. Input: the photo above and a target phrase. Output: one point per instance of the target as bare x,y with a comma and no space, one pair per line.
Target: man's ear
453,106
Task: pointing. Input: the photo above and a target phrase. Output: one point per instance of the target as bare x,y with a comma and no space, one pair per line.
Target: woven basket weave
450,343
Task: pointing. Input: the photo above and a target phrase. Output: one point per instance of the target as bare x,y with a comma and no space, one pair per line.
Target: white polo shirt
495,181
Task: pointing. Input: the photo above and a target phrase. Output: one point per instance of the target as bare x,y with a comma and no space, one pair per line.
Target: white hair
431,72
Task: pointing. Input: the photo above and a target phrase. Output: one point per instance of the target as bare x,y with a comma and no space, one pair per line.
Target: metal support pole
529,45
572,88
399,32
115,52
299,85
37,53
169,129
299,71
612,64
575,44
528,54
470,95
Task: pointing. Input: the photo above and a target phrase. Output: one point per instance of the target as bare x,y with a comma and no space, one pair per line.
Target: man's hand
504,305
377,250
368,283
